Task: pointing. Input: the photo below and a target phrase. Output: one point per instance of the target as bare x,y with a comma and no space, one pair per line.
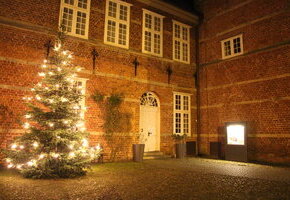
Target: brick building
244,62
240,50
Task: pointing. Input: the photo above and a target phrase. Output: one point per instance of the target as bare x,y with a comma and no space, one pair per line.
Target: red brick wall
25,26
254,87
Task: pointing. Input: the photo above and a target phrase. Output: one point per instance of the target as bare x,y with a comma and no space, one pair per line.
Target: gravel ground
191,178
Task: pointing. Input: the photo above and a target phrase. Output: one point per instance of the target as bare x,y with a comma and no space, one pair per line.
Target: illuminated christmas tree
55,143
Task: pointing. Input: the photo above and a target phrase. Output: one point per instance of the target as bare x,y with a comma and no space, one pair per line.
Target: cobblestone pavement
191,178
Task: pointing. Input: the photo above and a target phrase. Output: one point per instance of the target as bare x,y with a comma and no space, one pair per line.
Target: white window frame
182,111
117,21
153,14
182,41
75,8
82,103
231,40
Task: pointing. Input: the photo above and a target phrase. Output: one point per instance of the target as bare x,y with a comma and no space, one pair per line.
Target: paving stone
191,178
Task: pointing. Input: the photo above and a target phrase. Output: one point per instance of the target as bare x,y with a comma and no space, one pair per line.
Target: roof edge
166,7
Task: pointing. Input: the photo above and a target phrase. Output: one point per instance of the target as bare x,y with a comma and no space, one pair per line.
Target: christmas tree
55,142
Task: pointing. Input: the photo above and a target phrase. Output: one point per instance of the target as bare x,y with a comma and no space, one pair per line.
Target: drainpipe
197,83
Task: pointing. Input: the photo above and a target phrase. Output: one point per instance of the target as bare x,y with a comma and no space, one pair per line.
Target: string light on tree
19,166
26,125
10,165
55,155
27,116
35,144
41,74
38,97
98,147
13,146
85,142
41,156
71,155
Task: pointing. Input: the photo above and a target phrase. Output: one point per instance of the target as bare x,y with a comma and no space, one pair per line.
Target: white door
149,123
148,127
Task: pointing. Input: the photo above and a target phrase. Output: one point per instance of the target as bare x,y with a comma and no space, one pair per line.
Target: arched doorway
150,121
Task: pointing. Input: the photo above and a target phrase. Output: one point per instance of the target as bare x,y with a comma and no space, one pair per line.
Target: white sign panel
236,134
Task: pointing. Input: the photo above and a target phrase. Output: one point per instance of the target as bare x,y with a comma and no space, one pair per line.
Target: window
232,47
152,39
80,87
181,113
117,23
181,42
74,17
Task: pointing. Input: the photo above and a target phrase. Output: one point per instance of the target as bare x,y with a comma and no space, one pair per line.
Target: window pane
157,43
157,24
81,23
122,34
177,49
147,41
111,32
176,31
227,48
237,45
148,21
70,2
185,103
67,19
112,9
184,33
185,123
182,114
123,12
78,88
82,4
185,52
177,123
177,102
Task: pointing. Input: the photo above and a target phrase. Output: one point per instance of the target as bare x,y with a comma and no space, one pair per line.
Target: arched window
149,99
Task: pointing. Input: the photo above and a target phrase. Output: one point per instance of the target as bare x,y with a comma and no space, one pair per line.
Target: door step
152,155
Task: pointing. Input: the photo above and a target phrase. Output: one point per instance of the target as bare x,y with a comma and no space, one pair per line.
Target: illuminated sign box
236,134
236,141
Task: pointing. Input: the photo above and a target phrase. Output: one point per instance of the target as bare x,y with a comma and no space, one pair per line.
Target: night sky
187,5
